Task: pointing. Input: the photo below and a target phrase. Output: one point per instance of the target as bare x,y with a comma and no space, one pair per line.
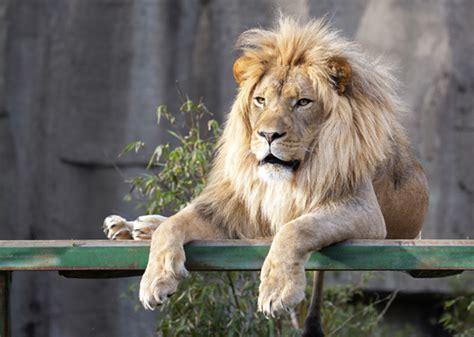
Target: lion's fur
312,154
360,134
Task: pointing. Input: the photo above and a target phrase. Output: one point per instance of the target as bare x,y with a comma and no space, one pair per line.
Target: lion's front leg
282,277
166,260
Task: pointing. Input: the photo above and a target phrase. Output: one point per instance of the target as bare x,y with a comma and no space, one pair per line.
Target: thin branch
388,304
236,299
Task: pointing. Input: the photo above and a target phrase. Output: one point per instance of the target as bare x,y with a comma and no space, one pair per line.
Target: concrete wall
79,79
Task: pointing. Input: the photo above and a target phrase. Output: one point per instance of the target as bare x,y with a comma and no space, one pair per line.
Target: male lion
312,154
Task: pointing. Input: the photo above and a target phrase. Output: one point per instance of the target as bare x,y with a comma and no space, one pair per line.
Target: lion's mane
359,135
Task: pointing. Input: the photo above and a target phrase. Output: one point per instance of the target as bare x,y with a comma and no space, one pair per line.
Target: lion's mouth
271,159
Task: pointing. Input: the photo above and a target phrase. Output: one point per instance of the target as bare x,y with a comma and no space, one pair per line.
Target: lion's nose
271,136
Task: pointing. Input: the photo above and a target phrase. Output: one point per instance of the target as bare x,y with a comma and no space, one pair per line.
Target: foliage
224,304
357,317
458,310
458,316
179,172
220,304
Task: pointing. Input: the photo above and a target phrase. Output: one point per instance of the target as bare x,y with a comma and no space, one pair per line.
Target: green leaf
188,106
161,110
177,136
135,146
155,157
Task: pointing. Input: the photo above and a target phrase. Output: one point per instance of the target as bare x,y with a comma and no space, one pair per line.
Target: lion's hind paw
117,228
145,225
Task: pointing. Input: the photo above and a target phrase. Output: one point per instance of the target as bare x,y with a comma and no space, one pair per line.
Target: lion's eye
303,102
260,101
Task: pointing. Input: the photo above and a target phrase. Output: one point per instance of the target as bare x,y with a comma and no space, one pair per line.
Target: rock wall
79,79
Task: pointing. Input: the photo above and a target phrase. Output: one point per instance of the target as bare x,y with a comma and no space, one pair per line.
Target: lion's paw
161,277
282,287
145,225
117,228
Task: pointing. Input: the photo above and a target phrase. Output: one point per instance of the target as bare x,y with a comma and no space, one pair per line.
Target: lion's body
401,190
402,193
312,154
359,138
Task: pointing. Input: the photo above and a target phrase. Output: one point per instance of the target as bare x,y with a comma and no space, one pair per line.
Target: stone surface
79,79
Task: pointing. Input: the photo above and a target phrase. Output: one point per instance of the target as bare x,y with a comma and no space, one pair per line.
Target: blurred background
80,79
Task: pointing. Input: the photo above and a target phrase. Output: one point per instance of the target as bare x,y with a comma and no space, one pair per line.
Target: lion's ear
240,66
340,72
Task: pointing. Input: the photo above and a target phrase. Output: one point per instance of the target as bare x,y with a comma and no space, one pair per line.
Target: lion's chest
278,205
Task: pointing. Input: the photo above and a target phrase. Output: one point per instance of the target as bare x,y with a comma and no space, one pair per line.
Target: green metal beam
99,259
110,256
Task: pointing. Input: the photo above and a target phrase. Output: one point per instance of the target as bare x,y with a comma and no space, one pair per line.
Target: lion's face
284,118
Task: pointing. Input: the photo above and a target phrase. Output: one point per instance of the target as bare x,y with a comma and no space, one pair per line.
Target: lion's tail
312,323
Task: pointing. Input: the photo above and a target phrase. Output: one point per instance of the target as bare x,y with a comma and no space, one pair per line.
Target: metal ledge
104,259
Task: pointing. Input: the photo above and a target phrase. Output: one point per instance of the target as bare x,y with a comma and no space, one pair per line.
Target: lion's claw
161,278
281,288
157,293
160,290
117,228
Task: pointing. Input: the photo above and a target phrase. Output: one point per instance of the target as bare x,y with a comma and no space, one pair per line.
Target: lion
312,153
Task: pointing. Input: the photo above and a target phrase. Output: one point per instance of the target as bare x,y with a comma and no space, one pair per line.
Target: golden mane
360,132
